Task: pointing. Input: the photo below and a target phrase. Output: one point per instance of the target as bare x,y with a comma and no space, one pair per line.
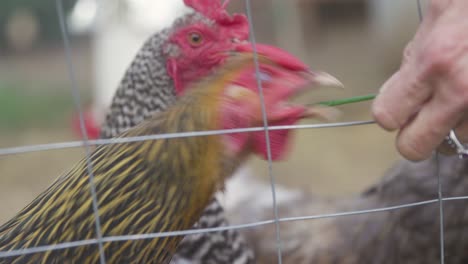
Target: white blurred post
118,30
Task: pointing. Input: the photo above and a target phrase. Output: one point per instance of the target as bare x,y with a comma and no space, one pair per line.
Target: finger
402,95
417,139
400,98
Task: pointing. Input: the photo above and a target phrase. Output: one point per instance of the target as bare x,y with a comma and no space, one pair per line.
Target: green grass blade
350,100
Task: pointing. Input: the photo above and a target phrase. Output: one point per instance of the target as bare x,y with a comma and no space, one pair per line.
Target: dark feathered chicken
409,235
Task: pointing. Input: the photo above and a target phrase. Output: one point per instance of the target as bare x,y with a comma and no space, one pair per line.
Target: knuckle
443,48
436,7
407,53
439,56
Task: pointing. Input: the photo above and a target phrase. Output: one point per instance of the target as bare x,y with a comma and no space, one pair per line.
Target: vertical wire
77,102
420,10
265,125
441,209
439,181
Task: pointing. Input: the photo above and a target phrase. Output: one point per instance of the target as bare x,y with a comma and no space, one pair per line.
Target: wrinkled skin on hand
428,96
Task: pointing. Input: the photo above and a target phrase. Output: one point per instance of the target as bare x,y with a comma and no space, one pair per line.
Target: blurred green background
358,41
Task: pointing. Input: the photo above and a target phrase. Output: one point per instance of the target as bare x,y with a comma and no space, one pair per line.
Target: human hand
428,96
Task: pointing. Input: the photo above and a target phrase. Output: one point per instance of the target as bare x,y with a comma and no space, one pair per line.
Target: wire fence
86,143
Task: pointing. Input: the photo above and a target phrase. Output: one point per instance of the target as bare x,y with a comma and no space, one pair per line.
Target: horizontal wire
75,144
12,253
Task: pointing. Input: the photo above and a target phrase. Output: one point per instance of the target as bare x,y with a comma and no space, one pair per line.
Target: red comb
216,11
209,8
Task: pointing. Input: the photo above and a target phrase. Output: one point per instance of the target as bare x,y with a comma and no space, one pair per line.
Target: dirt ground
330,161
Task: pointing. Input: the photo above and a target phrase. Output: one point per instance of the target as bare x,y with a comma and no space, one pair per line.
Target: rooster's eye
195,39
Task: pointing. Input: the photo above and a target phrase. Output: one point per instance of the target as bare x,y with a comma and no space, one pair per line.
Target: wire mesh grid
99,240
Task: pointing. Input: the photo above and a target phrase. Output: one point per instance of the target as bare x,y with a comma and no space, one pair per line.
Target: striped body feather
142,187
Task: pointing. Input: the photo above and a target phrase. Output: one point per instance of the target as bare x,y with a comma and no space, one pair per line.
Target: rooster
195,45
164,185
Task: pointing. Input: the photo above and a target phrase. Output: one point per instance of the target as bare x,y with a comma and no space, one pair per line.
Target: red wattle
279,139
171,68
278,142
